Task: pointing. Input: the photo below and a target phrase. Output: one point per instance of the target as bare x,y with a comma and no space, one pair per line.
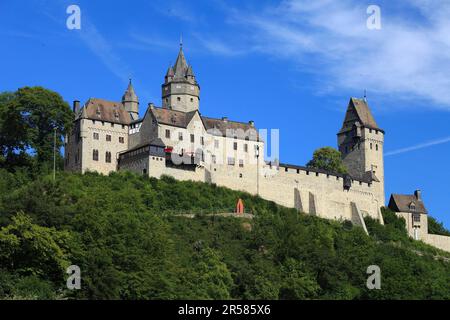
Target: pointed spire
129,94
190,72
180,65
170,72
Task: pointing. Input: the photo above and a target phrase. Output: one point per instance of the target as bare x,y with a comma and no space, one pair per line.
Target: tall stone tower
130,102
180,90
360,142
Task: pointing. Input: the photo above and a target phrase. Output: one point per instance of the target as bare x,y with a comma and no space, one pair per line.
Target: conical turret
130,101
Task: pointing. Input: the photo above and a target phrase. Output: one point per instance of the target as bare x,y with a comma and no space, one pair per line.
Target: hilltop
126,234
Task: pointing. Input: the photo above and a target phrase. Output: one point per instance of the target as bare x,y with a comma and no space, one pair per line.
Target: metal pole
257,170
54,155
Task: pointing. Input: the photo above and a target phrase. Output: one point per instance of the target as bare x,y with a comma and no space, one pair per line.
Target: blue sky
290,65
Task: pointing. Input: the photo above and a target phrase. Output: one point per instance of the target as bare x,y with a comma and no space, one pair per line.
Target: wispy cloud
408,58
101,47
418,146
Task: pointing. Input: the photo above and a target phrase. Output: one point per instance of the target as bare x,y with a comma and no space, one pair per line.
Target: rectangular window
416,217
112,124
371,146
180,136
108,137
108,157
231,161
376,147
202,141
213,159
192,138
95,135
241,163
216,143
235,145
121,140
245,147
95,155
167,133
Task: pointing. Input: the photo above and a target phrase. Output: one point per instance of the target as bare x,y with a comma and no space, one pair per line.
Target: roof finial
365,95
181,41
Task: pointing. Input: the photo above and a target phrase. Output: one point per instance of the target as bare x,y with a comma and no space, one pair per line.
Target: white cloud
418,146
100,46
408,59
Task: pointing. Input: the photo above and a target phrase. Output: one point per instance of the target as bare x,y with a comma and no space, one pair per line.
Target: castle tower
130,102
360,142
180,90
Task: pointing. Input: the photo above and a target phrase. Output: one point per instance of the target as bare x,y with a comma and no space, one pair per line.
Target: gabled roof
104,110
173,117
221,127
358,113
402,202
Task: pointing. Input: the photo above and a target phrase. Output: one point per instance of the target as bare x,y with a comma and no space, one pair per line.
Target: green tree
28,118
329,159
436,227
31,250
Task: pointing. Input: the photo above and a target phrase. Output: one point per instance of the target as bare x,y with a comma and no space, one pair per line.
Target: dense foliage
329,159
29,118
128,236
436,227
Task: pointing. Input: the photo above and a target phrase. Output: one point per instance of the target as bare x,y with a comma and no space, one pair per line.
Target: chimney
418,195
76,106
251,123
224,119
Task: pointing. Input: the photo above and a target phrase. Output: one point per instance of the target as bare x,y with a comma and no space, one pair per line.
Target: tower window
235,145
180,136
245,147
167,133
108,137
121,140
371,146
192,99
178,99
376,147
192,138
202,141
95,135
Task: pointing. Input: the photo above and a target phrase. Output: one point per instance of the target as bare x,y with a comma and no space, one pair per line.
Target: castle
177,140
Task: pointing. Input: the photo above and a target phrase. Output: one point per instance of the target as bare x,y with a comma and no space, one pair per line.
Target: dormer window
412,206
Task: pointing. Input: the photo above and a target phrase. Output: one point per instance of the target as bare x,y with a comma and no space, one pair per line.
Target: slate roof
104,110
401,203
358,112
222,127
172,117
130,94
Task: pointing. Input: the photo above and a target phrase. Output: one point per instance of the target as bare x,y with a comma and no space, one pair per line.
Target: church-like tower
360,142
180,90
130,102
